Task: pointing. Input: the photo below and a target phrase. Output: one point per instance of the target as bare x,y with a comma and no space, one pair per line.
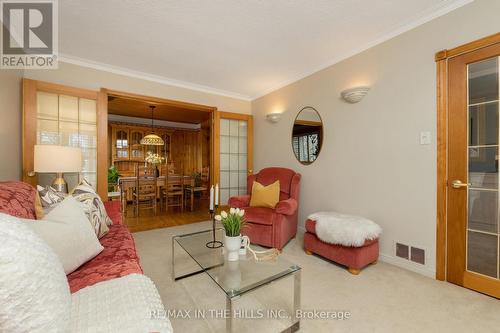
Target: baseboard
417,268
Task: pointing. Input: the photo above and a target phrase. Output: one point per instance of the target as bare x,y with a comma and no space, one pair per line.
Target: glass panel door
68,121
233,150
483,236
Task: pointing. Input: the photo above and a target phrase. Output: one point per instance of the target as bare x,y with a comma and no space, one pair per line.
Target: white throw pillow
34,291
68,232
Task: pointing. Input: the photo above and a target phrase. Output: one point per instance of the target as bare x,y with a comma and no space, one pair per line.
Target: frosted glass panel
243,179
233,179
233,144
224,162
233,127
224,179
88,111
242,162
243,128
47,132
224,196
68,108
47,105
233,158
233,192
242,145
89,163
224,144
233,162
69,121
224,127
88,135
69,134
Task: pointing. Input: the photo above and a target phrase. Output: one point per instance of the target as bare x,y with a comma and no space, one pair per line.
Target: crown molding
424,17
149,77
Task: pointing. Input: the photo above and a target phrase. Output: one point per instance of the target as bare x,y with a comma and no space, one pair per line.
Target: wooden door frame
442,58
236,116
30,89
179,104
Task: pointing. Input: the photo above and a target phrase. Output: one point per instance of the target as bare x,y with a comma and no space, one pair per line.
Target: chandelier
152,139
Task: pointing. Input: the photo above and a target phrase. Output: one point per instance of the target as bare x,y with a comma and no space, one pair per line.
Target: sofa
104,282
119,257
266,226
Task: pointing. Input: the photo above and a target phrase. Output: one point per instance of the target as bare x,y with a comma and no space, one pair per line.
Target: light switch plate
425,138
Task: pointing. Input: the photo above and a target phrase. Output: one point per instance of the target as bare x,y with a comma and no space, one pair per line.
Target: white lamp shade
53,159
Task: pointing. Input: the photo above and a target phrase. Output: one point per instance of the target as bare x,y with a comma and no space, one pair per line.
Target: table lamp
58,160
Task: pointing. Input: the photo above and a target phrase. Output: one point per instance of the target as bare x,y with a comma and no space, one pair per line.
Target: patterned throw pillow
93,207
49,197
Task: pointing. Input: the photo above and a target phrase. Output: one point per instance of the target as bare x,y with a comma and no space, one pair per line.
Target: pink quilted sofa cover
119,257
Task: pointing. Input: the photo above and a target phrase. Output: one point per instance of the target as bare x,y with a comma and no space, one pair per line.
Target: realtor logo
29,34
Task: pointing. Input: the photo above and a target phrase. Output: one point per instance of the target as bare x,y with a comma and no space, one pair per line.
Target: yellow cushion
265,196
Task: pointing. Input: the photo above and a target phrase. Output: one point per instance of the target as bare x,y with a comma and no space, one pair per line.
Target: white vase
232,246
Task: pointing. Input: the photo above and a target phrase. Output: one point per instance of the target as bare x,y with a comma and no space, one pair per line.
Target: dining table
128,183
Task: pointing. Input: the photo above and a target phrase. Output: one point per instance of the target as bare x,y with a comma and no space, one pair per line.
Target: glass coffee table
238,277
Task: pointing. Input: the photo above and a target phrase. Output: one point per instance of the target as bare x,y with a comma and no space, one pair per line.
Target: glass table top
233,277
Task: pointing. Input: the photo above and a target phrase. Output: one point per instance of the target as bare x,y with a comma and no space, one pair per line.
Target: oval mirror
307,135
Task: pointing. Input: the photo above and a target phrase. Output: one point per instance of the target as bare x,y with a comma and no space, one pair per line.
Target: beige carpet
383,298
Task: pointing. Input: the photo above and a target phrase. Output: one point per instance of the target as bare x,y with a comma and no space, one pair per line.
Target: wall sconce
273,117
354,95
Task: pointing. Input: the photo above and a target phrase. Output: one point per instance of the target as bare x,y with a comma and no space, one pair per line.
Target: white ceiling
239,48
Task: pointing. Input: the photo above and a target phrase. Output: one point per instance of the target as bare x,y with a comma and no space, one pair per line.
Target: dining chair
190,191
173,190
145,191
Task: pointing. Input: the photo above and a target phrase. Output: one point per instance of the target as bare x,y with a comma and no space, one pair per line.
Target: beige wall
10,124
371,163
83,77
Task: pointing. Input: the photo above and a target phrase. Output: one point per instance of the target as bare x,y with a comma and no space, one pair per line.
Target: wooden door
473,235
61,115
233,153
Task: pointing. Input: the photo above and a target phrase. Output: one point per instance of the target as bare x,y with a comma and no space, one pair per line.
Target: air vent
417,255
402,251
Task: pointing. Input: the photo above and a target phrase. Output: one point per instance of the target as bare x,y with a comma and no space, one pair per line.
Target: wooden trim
482,283
235,116
215,172
250,146
102,143
30,89
442,62
442,144
158,100
65,90
29,129
468,47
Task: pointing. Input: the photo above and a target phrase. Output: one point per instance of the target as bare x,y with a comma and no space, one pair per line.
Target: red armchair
266,226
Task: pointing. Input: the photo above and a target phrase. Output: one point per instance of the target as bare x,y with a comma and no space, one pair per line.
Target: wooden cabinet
185,149
120,144
136,149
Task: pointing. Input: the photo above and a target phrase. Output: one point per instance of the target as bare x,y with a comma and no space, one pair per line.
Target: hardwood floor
147,220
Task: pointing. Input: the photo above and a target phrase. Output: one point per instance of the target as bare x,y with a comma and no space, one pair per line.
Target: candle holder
213,244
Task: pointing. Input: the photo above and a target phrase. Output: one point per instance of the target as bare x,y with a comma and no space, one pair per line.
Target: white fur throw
34,291
346,230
